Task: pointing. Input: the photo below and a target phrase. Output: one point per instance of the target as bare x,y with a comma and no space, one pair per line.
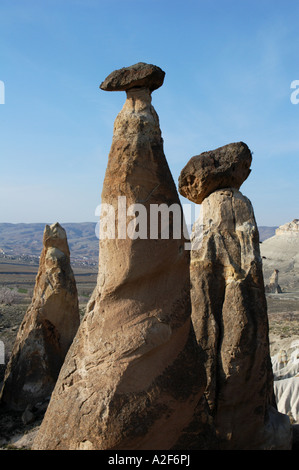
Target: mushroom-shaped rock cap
135,76
225,167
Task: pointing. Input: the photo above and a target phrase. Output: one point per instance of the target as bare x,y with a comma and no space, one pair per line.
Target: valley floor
17,431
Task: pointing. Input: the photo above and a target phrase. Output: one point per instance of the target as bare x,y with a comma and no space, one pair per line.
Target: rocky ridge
290,228
281,252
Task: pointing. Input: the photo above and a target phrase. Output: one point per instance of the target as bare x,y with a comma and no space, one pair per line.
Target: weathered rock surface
136,76
133,377
229,314
285,364
290,228
287,397
225,167
47,329
273,287
282,252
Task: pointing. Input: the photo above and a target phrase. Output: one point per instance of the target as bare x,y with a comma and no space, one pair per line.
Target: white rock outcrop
289,229
281,252
285,366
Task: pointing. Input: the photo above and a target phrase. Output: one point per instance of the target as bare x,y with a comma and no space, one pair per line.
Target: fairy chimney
229,309
273,287
133,378
48,327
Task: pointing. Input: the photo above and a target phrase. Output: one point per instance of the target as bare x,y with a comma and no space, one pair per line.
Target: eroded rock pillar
48,327
229,309
130,380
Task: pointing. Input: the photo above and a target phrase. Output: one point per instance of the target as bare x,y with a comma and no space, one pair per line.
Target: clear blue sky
229,66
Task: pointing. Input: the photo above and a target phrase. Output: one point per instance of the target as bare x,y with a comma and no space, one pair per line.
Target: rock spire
229,309
273,287
131,380
48,327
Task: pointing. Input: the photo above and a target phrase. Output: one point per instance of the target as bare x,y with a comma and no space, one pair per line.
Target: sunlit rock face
48,327
229,310
134,376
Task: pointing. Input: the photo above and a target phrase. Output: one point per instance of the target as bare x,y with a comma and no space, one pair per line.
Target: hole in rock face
216,163
190,179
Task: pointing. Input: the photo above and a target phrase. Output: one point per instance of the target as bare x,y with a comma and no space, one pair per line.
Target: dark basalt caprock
224,167
136,76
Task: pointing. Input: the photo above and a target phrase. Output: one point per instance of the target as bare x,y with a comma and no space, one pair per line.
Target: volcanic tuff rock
273,286
133,377
229,309
290,228
47,329
286,379
282,252
229,314
225,167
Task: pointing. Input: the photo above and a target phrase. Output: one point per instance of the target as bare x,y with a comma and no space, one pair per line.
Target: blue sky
229,67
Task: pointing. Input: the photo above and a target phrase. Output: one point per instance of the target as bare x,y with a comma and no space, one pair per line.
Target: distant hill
25,240
266,232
